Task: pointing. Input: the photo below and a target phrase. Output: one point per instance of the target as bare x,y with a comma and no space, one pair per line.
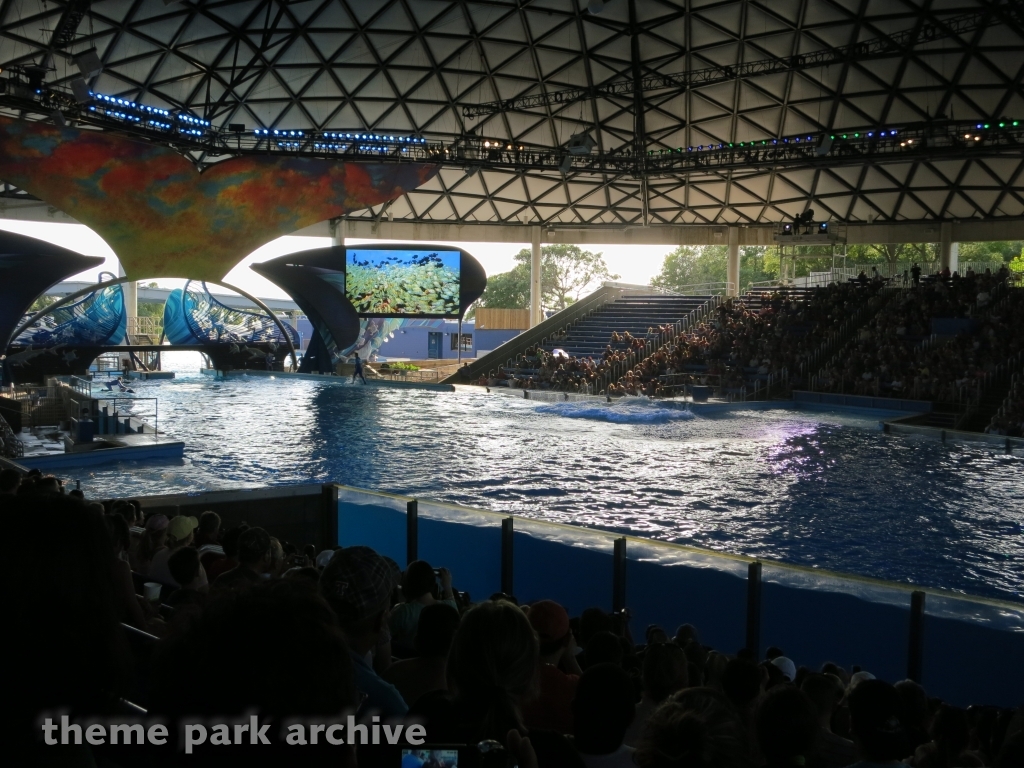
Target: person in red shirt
558,673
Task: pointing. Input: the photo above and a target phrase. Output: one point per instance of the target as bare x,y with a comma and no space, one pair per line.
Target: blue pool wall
862,402
973,653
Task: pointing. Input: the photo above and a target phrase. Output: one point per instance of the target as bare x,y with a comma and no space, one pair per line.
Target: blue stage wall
972,647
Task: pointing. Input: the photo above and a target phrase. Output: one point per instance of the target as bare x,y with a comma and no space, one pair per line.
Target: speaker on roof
566,164
88,63
580,144
81,90
824,145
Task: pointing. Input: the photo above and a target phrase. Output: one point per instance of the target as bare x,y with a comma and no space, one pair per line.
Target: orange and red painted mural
165,219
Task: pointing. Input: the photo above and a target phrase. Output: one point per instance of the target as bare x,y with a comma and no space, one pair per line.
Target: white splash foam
641,412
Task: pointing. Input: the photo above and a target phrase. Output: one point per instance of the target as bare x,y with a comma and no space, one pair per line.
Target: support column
733,266
131,301
131,304
131,310
337,232
949,252
536,313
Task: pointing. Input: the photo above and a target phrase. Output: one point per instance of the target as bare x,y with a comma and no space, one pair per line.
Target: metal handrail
637,287
699,289
144,325
537,335
156,412
894,293
661,339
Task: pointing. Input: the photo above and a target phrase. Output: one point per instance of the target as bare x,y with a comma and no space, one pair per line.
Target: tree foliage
567,273
42,302
508,290
690,265
996,250
891,253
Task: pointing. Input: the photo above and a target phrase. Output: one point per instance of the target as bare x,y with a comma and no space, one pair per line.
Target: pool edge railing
815,613
904,587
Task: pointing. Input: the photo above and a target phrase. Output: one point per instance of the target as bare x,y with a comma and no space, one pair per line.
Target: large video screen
403,282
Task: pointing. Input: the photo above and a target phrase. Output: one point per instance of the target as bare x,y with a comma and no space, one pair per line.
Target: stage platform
51,455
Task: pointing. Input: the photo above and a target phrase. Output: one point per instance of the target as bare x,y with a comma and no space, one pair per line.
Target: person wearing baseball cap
558,673
180,533
357,583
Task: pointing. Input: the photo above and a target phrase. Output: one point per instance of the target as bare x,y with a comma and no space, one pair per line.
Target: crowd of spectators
1009,420
542,370
894,356
743,341
746,340
749,340
291,636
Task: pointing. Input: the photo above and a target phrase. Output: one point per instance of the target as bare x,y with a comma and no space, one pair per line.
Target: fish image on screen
403,282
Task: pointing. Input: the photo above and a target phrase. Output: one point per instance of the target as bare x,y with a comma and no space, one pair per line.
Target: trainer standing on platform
359,370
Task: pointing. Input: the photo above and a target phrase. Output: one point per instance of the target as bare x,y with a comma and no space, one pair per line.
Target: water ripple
828,490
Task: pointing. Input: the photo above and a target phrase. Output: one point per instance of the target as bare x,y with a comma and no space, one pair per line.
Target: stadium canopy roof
666,89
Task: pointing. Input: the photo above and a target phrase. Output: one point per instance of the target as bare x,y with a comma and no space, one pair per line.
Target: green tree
1004,251
567,273
151,309
1017,265
42,302
508,290
891,253
690,265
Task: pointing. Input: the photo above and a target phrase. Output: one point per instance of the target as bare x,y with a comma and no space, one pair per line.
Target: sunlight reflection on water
828,490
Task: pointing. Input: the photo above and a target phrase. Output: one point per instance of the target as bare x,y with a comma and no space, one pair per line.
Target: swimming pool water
821,489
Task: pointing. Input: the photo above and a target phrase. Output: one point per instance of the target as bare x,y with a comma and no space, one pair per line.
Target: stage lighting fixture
787,229
88,62
823,228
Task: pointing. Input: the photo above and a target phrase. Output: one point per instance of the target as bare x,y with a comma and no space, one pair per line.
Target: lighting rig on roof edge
18,92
